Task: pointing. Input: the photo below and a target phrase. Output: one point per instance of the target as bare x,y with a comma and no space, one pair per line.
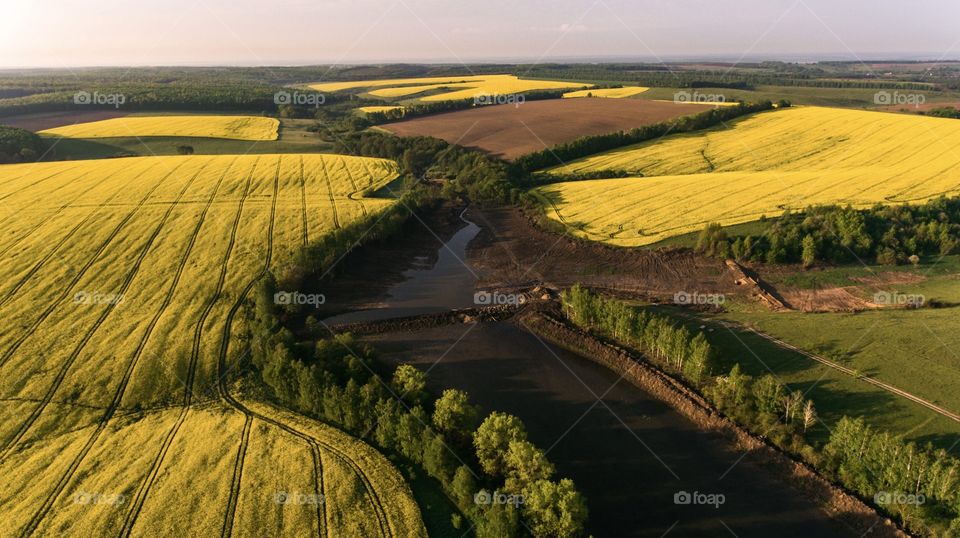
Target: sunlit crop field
786,159
611,93
465,87
122,278
231,127
375,109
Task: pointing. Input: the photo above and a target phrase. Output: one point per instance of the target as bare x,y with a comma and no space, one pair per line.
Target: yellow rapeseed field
120,279
612,93
762,165
460,87
232,127
375,109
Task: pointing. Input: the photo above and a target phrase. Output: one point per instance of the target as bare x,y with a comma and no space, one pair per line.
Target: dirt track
509,131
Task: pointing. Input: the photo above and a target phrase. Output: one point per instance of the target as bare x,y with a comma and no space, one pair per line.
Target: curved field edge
219,214
250,128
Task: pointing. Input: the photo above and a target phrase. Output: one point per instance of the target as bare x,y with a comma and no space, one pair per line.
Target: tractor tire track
303,204
322,525
137,506
150,327
45,219
333,203
96,255
222,371
63,240
48,503
227,529
353,185
224,391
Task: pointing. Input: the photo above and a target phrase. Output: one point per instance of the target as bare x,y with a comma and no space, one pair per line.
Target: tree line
656,336
19,145
747,77
886,234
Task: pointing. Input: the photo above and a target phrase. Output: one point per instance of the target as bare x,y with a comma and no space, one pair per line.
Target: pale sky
71,33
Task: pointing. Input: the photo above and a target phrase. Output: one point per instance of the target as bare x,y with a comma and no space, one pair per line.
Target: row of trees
590,145
747,76
920,484
19,145
490,470
888,234
656,336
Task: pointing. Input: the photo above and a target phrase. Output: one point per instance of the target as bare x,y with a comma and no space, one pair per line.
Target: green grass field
837,394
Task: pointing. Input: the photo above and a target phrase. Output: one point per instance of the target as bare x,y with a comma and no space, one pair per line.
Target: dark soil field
509,131
50,120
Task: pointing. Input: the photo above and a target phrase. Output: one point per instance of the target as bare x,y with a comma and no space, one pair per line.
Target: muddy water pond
637,460
432,284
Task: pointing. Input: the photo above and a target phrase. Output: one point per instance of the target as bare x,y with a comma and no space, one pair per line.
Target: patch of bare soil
827,300
50,120
511,251
509,131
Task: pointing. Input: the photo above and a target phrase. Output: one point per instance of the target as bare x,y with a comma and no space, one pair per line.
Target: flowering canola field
761,165
612,93
122,278
232,127
460,87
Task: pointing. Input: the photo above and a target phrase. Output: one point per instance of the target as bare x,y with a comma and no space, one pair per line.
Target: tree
498,521
554,509
809,255
453,414
769,394
809,416
464,486
492,440
791,405
525,464
437,458
409,383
